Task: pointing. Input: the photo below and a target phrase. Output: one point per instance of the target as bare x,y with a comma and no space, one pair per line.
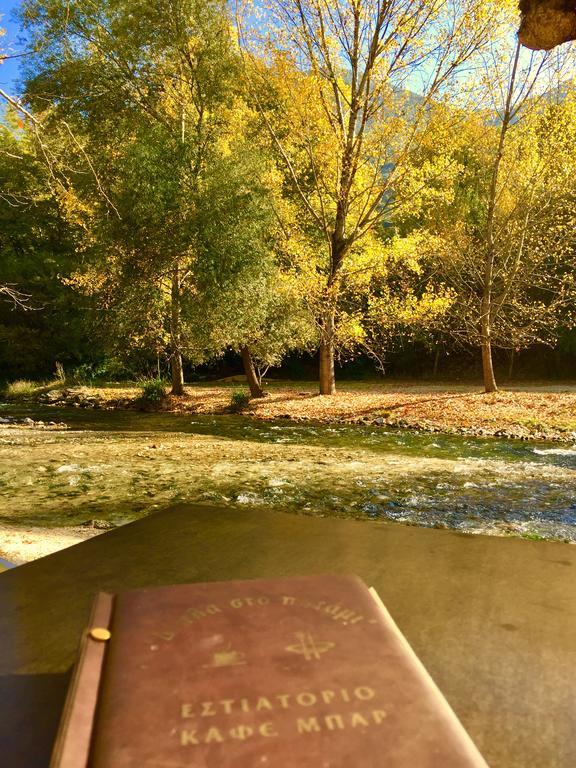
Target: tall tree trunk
338,249
511,365
177,374
327,377
488,310
487,365
485,328
175,340
436,361
251,378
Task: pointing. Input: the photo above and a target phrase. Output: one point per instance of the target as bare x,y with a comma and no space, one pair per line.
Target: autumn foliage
334,178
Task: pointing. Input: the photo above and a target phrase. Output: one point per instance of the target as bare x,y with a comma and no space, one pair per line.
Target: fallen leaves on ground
523,411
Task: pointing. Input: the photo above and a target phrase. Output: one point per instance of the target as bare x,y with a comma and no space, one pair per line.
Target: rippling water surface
120,465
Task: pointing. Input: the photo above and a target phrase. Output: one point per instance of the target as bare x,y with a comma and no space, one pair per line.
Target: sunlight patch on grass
23,389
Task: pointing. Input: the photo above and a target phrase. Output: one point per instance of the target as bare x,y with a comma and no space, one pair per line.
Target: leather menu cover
299,672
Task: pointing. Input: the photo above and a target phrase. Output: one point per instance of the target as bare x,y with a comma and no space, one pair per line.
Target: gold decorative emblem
100,633
309,647
226,658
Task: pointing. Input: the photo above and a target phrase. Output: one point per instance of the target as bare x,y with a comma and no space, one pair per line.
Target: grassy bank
528,411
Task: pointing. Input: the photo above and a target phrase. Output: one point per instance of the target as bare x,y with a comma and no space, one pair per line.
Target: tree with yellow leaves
498,196
344,89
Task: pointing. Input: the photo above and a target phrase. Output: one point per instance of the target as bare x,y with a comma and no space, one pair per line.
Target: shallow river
117,466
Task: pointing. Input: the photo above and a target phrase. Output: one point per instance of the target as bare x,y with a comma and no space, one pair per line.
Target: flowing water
117,466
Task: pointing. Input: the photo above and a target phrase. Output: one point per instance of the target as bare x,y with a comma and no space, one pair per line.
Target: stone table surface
493,619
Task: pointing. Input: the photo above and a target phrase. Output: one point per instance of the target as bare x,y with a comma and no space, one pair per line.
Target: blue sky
10,44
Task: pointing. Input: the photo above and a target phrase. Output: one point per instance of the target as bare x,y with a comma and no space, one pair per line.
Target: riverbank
536,411
67,470
20,544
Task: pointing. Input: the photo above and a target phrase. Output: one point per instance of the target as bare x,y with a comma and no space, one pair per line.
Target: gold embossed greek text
213,735
306,699
207,709
345,614
226,705
333,722
187,710
245,705
267,729
194,614
283,699
364,693
358,719
249,602
339,613
188,737
307,725
335,610
241,732
378,715
263,703
327,696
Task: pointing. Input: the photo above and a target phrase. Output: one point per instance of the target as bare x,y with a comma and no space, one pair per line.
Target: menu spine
72,746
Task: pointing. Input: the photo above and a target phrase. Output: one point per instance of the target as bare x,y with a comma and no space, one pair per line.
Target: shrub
83,374
239,400
21,389
107,370
153,391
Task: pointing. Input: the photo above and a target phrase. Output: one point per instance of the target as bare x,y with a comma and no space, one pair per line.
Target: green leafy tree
179,225
41,319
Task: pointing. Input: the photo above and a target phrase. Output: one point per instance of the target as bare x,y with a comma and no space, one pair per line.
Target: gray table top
493,619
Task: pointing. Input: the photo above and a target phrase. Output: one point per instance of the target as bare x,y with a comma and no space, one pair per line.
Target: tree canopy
182,179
